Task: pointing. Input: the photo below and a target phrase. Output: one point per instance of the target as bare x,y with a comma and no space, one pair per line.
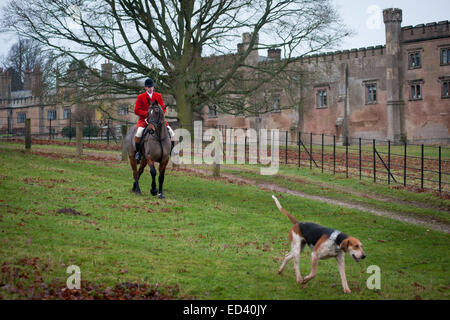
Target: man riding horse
143,102
149,141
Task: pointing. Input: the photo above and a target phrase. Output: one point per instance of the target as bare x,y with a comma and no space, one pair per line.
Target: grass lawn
211,238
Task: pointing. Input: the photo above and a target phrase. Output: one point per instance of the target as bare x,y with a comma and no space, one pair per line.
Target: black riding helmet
149,83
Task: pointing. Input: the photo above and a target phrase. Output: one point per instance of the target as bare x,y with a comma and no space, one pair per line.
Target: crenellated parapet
28,101
392,15
345,54
428,31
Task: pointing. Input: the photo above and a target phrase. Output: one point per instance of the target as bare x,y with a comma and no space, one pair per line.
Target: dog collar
334,235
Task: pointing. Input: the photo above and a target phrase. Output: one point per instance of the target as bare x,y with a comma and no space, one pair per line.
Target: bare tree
27,55
168,40
24,55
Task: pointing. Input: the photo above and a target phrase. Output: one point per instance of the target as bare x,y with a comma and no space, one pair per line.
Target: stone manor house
397,91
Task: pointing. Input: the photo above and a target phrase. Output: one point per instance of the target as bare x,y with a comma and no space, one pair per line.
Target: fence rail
426,167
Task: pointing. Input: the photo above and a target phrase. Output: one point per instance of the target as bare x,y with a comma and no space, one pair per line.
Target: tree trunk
184,108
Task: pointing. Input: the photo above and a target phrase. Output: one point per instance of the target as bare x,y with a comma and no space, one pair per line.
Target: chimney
107,70
27,80
274,53
240,48
36,82
5,85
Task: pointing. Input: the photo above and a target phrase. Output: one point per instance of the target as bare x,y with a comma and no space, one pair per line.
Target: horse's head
155,116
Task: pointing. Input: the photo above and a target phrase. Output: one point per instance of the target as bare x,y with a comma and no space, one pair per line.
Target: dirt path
423,221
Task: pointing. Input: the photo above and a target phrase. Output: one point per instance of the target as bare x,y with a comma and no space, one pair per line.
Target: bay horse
155,146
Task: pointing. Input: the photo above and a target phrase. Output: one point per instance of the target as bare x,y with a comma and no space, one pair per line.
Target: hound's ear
344,244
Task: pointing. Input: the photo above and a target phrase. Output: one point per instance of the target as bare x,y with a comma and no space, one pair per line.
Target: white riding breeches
139,132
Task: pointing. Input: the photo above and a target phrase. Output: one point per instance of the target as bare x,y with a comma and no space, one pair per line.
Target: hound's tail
294,221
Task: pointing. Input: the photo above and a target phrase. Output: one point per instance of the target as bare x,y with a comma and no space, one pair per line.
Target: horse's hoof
161,196
154,192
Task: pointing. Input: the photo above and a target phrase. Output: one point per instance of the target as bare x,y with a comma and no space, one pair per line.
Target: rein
157,124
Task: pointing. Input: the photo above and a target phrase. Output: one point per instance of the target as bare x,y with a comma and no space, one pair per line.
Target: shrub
91,131
68,132
88,131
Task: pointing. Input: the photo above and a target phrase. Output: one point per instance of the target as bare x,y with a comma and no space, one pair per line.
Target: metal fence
406,164
420,166
51,129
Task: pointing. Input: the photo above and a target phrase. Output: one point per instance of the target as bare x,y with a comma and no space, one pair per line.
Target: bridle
156,123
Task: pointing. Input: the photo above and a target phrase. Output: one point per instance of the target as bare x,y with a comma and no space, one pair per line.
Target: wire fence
419,166
55,129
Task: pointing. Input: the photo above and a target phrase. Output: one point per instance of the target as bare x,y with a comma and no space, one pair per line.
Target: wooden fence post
124,130
216,164
79,136
216,170
28,133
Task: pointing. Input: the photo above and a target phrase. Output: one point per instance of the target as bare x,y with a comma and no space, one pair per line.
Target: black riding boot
137,142
138,154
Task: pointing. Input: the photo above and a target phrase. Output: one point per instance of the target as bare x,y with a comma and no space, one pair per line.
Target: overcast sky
363,16
366,17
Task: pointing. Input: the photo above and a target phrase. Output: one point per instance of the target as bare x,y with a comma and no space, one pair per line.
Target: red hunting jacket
143,103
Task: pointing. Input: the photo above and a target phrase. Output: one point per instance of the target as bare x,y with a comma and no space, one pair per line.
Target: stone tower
252,58
392,20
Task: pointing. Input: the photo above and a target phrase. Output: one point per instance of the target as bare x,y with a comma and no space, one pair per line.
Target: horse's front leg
162,170
153,190
139,173
136,175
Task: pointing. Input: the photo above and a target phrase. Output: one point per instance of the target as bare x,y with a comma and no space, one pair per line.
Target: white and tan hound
324,243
